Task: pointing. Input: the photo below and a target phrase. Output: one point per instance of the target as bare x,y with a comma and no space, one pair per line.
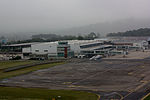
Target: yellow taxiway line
145,96
98,97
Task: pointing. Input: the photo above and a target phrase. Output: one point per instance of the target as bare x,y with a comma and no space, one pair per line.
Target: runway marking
76,86
140,86
142,74
120,95
143,81
98,97
145,96
130,73
142,66
66,83
126,96
137,88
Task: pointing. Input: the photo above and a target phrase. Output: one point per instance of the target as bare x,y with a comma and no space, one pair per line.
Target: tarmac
120,79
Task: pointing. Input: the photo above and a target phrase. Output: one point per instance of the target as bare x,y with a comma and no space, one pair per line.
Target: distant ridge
139,32
109,27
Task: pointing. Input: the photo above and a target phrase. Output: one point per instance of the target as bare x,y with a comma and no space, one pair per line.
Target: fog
54,15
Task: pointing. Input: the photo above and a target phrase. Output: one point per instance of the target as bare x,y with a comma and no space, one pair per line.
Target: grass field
22,71
9,93
7,64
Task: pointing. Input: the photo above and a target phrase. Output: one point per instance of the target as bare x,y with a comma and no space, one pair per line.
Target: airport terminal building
70,48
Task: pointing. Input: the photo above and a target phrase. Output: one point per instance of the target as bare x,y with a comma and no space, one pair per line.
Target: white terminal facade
65,49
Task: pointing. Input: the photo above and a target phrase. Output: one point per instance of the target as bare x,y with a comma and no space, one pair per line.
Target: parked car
81,56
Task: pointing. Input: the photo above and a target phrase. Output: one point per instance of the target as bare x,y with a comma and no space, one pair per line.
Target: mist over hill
102,28
108,27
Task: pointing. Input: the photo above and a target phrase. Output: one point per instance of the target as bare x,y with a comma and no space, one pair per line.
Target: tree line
54,37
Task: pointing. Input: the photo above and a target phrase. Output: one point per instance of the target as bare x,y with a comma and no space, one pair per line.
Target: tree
80,38
91,36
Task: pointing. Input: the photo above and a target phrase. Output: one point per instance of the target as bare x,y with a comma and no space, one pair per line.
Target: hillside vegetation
139,32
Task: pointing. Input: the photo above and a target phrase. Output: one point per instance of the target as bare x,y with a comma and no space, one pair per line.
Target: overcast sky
50,15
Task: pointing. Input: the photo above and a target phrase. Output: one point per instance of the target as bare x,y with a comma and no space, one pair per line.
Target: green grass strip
9,93
8,64
27,70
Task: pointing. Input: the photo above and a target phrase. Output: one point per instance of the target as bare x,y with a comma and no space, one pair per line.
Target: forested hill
139,32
